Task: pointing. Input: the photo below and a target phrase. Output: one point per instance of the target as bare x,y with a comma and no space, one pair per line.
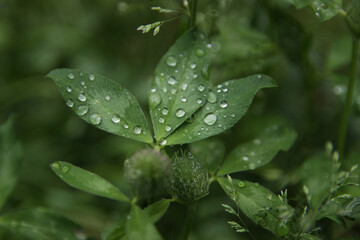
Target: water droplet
252,166
232,115
245,158
208,45
153,90
95,118
223,104
183,86
210,119
137,130
180,112
339,89
165,111
200,52
164,89
172,81
199,101
71,76
82,110
225,90
212,97
195,75
68,89
56,165
163,142
317,14
126,126
65,168
192,65
82,83
91,77
173,91
115,118
201,88
259,76
183,99
82,97
107,97
241,184
171,61
161,120
154,100
70,103
168,128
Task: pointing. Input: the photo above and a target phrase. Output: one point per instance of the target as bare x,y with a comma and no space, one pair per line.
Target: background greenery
308,59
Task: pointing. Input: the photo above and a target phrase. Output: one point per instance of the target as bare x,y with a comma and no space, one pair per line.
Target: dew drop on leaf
232,115
210,119
183,99
154,100
68,89
126,126
212,97
56,165
107,97
223,104
161,120
82,110
91,77
137,130
180,112
172,81
183,86
165,111
245,158
115,118
70,103
82,97
193,65
71,76
168,128
200,52
171,61
199,101
163,142
201,87
95,119
65,168
241,184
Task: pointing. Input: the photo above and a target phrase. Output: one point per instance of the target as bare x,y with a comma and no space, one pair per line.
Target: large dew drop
180,112
95,119
137,130
171,61
115,118
223,104
82,110
70,103
212,97
82,97
210,119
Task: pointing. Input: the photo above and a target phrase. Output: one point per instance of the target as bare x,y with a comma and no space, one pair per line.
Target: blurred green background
309,60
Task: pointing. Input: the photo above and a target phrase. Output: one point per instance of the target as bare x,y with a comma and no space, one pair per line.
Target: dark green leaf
103,103
352,9
87,181
156,210
259,204
139,226
209,152
40,224
180,83
259,151
226,104
10,154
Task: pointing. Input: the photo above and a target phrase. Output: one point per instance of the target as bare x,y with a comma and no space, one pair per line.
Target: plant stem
348,102
189,219
193,10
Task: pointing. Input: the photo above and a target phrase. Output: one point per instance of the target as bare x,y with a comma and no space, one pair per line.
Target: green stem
189,219
193,10
348,102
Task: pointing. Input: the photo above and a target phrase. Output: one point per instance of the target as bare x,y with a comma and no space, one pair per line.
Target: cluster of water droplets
319,7
83,108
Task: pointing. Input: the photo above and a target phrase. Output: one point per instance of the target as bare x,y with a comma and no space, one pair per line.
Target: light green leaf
226,104
259,151
180,83
259,204
103,103
10,154
324,9
139,226
40,224
119,232
156,210
209,152
87,181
